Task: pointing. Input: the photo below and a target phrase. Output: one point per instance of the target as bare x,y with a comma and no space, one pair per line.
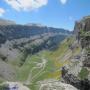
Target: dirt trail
39,66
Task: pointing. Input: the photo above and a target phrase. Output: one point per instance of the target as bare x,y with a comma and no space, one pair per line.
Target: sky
53,13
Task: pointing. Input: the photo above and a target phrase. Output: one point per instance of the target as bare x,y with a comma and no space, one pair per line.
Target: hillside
47,65
45,58
38,67
68,63
79,75
21,43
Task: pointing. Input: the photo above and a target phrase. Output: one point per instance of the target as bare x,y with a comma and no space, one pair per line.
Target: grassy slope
55,60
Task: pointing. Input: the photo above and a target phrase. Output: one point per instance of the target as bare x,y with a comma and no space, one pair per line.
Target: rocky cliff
81,80
83,33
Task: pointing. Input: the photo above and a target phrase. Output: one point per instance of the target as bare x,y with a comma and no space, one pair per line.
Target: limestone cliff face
82,31
82,26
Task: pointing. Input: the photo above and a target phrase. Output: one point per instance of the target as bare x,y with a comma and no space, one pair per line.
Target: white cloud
2,11
26,5
63,1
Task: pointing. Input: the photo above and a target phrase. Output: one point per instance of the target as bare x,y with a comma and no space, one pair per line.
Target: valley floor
47,64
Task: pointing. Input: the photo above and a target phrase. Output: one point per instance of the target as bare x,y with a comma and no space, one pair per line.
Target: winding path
41,66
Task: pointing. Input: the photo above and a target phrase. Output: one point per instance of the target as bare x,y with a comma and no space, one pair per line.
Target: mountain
44,58
78,73
17,42
6,22
35,24
23,31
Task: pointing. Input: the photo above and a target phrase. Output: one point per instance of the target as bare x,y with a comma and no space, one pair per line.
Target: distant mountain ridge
6,22
10,30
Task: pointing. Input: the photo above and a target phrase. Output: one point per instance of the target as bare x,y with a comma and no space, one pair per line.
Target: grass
1,80
54,59
83,73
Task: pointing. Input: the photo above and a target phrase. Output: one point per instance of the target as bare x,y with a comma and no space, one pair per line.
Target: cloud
63,1
2,11
26,5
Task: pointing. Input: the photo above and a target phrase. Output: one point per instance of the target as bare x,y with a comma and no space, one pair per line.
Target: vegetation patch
83,73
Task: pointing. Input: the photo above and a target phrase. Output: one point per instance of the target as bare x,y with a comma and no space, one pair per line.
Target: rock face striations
83,30
19,41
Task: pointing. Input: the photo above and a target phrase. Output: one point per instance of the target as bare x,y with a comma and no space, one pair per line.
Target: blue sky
56,13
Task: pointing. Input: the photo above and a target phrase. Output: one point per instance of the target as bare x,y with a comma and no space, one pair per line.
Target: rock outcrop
54,85
82,31
13,86
75,81
81,80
